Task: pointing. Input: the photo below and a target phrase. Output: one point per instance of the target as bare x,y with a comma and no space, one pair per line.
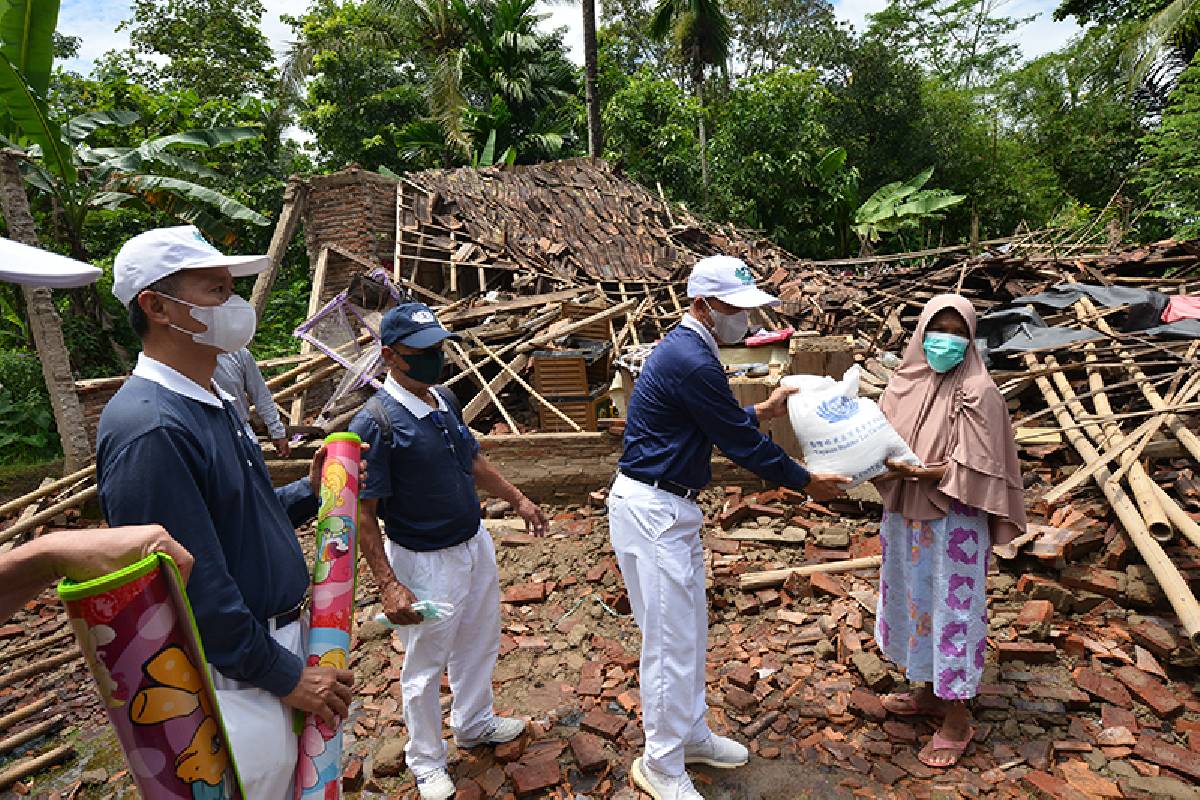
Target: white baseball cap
33,266
156,254
728,279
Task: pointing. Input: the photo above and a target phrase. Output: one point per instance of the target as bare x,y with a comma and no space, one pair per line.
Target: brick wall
354,209
564,468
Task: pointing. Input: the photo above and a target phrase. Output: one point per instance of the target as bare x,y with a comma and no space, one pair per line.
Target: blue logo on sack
837,409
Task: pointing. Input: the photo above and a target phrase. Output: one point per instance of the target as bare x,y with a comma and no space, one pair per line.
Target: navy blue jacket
424,477
167,459
681,406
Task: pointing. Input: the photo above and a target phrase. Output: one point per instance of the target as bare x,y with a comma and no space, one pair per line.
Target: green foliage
27,434
964,43
215,45
767,151
1171,171
650,132
902,205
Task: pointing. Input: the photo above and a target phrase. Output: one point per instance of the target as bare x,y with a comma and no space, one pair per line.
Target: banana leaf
31,118
79,127
27,39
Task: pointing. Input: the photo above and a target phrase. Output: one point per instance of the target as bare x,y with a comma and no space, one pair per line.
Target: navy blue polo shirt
166,458
681,405
424,478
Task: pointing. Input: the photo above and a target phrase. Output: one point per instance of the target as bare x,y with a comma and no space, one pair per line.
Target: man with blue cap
436,567
681,405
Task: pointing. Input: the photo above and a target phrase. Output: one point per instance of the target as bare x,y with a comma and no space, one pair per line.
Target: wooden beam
472,409
600,316
776,577
295,200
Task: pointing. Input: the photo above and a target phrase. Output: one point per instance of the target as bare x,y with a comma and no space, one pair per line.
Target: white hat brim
749,297
32,266
239,266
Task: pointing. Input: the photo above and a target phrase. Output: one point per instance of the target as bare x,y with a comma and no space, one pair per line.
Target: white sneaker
436,785
717,751
660,786
498,731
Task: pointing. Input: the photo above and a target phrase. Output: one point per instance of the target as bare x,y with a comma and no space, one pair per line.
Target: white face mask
729,328
229,326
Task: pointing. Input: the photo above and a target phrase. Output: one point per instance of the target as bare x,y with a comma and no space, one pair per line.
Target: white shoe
717,751
498,731
660,786
436,785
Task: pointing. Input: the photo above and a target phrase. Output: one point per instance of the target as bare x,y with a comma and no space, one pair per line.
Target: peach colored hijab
959,418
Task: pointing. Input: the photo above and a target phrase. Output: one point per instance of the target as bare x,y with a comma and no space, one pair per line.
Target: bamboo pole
600,316
532,392
39,667
50,513
486,387
1189,440
13,506
30,733
25,712
1108,434
1182,521
1173,585
775,577
32,766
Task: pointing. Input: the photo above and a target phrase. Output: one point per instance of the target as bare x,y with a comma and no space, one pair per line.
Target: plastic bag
840,432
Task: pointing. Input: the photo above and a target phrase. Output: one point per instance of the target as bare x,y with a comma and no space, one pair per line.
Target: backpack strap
451,400
375,408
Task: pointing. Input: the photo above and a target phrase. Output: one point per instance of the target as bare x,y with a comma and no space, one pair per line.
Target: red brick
744,677
468,789
630,700
1116,737
736,513
1115,717
529,779
1036,753
1167,755
11,631
868,704
352,775
1035,613
1092,579
1155,638
1045,785
1040,588
512,751
1161,700
1082,778
603,724
589,752
525,593
740,699
1103,687
827,584
1028,652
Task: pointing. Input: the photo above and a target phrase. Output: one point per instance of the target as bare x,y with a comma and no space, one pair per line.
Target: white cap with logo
155,254
728,279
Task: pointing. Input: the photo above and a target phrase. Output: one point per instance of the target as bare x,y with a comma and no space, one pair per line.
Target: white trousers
465,644
656,536
261,729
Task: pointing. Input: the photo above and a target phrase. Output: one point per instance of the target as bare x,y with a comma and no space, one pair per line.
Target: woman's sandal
907,705
940,744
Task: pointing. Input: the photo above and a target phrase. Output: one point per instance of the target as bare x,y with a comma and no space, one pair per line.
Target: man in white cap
680,407
172,450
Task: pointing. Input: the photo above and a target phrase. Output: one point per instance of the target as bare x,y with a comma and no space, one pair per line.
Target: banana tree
26,55
152,175
899,206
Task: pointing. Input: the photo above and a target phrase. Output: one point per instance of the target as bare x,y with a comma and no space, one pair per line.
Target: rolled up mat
318,773
139,638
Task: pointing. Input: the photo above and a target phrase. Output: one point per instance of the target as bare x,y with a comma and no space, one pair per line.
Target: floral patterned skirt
932,618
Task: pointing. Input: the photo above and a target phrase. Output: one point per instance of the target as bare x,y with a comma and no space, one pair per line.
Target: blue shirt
184,461
681,405
424,478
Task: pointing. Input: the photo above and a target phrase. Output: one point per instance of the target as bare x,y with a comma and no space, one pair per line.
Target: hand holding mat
318,773
138,636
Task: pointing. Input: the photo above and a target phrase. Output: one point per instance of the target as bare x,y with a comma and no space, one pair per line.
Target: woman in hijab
940,521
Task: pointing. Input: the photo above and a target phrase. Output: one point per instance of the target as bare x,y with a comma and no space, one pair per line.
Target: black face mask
426,366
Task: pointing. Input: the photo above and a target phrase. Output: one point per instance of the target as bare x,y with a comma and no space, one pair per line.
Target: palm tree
701,34
1171,34
591,77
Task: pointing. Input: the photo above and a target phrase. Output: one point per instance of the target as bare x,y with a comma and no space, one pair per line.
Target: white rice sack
840,432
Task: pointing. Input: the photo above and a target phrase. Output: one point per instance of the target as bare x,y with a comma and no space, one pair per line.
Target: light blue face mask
944,351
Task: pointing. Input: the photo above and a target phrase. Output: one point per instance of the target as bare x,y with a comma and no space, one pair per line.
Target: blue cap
413,325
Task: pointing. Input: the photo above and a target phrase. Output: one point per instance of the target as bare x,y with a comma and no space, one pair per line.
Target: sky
95,22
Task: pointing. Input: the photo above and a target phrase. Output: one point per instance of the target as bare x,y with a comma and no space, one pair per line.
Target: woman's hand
904,470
